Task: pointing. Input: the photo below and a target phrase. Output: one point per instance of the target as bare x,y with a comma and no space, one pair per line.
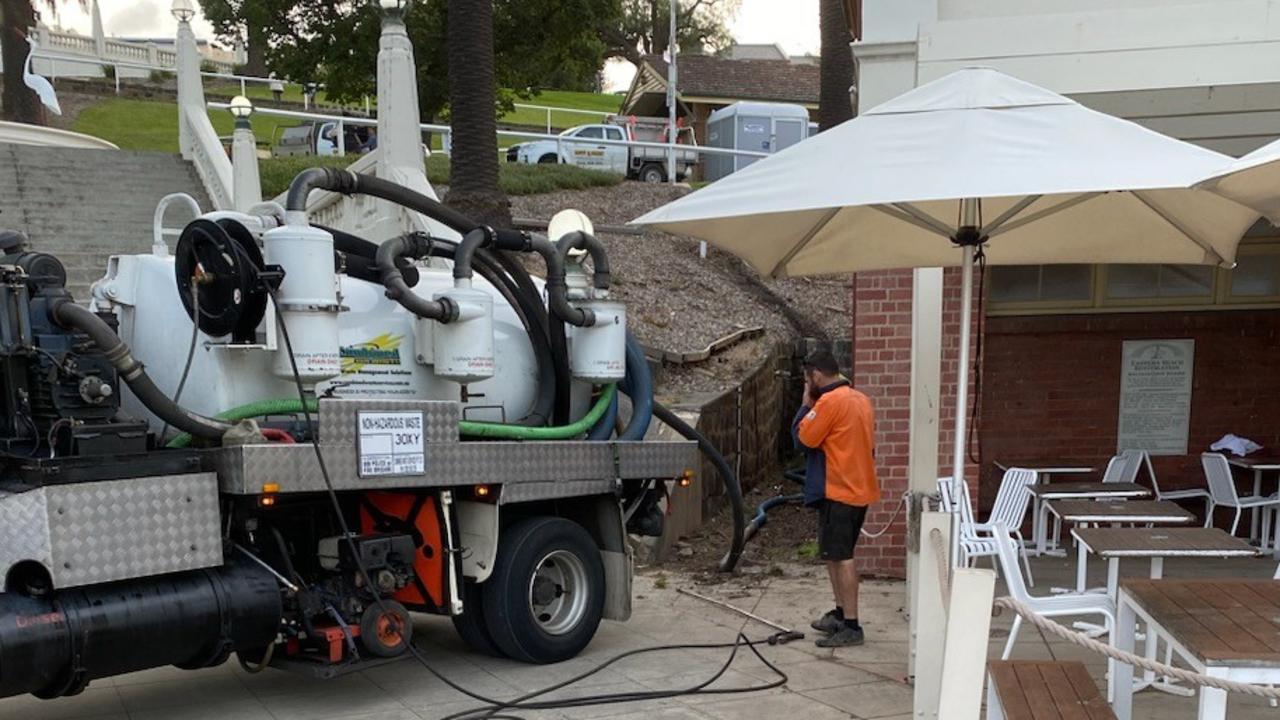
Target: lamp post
246,185
182,11
393,9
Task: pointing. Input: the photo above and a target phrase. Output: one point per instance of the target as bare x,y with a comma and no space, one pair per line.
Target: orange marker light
267,501
482,491
686,479
270,488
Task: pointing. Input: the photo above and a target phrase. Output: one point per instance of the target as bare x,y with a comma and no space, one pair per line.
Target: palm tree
473,176
836,77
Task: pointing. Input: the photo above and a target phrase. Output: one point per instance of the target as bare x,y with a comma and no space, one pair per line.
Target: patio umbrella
1253,180
974,163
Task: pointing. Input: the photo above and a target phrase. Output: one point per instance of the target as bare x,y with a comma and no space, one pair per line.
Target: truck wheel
653,174
543,602
386,630
471,624
548,159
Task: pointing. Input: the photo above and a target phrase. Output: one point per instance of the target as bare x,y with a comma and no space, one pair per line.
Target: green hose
502,431
471,429
261,408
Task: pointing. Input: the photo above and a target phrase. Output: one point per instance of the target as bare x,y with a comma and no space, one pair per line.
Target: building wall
1051,387
882,370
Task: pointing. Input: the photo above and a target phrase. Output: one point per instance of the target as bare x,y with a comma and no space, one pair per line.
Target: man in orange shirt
840,422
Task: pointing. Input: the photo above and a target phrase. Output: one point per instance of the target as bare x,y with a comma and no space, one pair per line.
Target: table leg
1213,703
1149,677
1082,568
1113,576
1120,684
1041,531
1254,517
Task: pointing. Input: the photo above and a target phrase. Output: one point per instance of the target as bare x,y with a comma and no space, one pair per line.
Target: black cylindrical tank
54,645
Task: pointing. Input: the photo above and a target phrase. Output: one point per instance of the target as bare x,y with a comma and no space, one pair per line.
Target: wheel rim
390,630
558,591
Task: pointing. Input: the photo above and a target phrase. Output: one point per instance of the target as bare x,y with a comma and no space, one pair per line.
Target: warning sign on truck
390,443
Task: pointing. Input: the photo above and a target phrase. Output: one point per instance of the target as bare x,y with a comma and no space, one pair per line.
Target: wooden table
1044,475
1226,628
1121,511
1074,490
1156,544
1258,465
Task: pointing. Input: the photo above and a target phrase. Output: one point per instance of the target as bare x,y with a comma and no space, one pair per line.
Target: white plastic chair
1222,491
1010,509
1066,604
1123,468
1187,494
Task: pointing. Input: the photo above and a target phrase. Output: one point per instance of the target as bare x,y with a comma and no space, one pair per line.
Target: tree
643,27
836,74
247,20
473,173
21,104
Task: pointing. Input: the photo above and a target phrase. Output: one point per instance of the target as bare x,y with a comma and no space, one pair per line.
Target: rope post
929,614
964,659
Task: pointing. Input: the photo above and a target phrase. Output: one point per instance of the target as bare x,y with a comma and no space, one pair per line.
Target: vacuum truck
276,440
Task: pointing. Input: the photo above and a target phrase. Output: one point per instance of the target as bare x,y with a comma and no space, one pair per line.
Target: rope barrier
902,503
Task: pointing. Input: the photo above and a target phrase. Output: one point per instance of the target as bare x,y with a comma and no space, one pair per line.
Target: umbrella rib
926,220
895,212
817,227
1013,225
1180,227
1008,215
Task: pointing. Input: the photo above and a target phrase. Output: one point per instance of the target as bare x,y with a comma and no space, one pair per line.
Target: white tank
599,352
307,298
463,348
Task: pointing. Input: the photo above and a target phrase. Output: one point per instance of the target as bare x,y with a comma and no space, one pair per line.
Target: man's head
821,368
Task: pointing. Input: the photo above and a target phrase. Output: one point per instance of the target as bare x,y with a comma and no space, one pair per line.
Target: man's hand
810,393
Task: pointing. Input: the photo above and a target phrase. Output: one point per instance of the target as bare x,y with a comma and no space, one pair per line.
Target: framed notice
390,443
1155,396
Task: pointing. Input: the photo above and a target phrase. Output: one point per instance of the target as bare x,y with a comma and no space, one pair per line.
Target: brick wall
882,370
1052,386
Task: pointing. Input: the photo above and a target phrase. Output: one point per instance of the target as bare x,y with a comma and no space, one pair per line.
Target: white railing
85,50
571,111
210,159
447,132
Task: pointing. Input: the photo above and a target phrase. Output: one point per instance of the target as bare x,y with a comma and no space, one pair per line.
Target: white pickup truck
582,146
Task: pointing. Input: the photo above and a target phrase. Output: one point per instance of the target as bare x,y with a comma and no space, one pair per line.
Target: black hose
471,242
730,479
411,246
354,246
556,385
599,258
558,288
349,183
67,314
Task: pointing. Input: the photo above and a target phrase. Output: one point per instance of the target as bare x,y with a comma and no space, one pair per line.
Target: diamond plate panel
243,470
97,532
338,418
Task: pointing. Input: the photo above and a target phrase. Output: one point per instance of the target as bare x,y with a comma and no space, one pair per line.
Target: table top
1224,622
1040,690
1065,469
1256,462
1121,511
1088,490
1163,542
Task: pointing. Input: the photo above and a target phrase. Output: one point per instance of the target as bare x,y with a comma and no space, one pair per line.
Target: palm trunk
837,72
21,104
473,176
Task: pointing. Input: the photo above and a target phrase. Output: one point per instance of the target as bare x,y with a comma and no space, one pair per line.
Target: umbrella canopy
1253,180
1053,181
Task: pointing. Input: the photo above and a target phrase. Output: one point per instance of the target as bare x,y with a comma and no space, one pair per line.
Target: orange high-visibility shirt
842,425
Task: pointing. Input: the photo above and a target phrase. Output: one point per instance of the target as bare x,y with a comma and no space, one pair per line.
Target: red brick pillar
882,370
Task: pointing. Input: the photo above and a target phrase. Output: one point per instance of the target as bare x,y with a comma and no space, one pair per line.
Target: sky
793,24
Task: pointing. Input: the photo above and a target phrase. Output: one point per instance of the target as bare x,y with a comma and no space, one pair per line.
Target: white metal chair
1187,494
1010,509
1222,491
1068,604
1123,468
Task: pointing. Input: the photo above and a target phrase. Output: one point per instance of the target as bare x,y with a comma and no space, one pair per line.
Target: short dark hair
822,361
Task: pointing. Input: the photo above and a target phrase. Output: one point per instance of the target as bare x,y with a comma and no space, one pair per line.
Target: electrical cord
493,706
191,350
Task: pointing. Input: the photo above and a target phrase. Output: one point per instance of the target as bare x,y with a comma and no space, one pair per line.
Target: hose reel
222,262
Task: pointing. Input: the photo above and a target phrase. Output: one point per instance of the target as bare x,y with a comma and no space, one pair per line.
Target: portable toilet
756,126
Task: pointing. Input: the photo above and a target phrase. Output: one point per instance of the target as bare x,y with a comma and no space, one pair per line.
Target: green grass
261,91
562,99
807,550
147,125
277,173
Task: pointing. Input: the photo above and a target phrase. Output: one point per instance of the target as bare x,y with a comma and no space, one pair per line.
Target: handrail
447,131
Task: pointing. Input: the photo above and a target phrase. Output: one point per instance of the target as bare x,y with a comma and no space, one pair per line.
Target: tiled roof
778,80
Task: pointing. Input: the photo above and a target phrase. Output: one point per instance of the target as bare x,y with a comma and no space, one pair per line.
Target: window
613,133
1024,284
1256,276
590,132
1156,282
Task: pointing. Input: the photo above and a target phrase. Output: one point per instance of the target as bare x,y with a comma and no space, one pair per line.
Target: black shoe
828,623
844,637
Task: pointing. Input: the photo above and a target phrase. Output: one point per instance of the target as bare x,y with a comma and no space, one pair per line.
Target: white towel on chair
1236,445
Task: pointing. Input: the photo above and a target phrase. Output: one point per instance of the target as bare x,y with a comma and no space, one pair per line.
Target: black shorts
838,528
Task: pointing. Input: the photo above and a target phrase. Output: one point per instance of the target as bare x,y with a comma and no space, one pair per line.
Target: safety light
685,479
240,107
268,497
483,491
183,10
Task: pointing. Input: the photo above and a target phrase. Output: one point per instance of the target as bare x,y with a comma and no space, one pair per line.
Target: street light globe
240,107
393,7
183,10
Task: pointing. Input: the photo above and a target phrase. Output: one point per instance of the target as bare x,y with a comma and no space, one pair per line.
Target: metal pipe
962,377
734,609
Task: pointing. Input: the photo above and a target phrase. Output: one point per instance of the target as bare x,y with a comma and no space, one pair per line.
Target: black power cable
495,705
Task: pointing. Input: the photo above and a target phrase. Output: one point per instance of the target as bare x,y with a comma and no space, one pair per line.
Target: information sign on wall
1155,396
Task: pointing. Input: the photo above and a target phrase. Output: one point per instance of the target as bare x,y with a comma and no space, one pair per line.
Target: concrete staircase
86,205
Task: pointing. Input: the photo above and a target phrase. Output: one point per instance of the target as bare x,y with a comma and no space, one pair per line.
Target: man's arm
816,424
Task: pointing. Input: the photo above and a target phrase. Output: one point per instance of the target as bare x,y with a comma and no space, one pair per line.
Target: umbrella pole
962,384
